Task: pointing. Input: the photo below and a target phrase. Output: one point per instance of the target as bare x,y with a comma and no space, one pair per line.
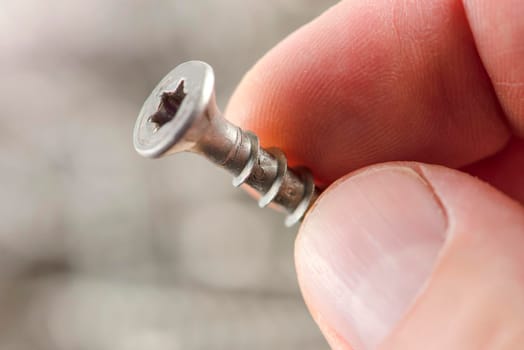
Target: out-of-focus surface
100,249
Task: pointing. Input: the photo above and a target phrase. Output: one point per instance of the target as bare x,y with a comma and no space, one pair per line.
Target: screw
181,115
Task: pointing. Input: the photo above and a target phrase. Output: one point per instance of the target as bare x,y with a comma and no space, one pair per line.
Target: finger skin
369,82
498,29
504,170
473,297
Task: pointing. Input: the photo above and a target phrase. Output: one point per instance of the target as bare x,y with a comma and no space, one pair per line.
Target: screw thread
266,171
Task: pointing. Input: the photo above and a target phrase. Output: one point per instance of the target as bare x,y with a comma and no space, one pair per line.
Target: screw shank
266,171
222,144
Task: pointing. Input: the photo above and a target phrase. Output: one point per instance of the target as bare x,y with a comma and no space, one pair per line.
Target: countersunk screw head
179,104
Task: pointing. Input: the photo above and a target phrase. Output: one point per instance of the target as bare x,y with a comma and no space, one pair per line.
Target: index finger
370,82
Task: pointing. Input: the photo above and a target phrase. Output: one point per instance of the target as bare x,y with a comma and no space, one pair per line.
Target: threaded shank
266,171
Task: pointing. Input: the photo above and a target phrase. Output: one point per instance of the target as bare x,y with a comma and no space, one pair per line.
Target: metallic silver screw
181,115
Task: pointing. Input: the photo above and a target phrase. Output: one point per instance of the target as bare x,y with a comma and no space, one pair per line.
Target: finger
414,257
504,170
369,82
498,29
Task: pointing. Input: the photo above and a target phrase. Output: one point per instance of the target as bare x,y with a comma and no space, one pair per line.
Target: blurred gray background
101,249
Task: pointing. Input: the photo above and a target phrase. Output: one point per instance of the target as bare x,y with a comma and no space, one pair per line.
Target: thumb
413,256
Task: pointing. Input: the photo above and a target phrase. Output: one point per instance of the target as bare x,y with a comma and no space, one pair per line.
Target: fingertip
354,245
406,254
363,84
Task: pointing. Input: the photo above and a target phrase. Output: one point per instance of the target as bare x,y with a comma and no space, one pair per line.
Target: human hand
405,255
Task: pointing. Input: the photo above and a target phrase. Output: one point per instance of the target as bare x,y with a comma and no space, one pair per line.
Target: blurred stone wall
101,249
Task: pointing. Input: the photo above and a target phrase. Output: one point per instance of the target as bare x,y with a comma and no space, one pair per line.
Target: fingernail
367,249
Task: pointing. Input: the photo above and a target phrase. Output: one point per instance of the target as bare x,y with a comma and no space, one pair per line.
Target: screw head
177,112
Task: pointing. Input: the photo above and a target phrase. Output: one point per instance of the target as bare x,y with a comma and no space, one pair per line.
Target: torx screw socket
181,115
